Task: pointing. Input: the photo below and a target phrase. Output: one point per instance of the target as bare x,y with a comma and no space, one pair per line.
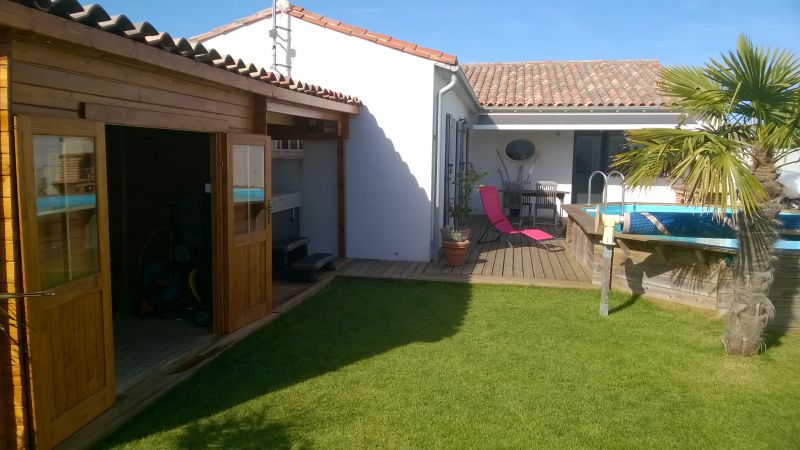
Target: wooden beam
341,198
343,126
260,123
29,20
302,111
275,132
275,118
152,119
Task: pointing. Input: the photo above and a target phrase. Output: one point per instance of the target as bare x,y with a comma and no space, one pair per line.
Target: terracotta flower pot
455,253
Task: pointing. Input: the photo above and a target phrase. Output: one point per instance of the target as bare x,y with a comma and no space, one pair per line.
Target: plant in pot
454,246
466,184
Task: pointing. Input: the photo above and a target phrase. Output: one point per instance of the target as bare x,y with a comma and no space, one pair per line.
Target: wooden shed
102,122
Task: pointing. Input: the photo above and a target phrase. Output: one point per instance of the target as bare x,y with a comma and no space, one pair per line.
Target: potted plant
454,246
466,184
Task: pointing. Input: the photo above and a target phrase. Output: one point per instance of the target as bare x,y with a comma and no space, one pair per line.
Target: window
249,212
66,208
287,145
520,150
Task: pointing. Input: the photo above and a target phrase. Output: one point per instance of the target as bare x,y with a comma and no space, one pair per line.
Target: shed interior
161,248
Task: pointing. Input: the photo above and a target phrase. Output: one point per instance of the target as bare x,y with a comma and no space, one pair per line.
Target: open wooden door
61,177
243,204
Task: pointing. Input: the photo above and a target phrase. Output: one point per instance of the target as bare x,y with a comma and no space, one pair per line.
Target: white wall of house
320,207
388,154
314,177
553,160
456,103
553,163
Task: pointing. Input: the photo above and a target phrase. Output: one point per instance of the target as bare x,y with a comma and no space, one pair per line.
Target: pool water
790,221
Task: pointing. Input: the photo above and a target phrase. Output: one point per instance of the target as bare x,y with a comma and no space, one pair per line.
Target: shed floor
142,346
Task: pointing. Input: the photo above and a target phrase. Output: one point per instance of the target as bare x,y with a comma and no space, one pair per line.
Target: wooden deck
509,260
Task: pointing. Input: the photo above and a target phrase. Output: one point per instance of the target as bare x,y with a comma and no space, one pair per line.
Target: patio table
529,194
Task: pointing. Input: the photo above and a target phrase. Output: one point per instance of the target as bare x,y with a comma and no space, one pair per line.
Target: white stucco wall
388,154
553,163
457,104
319,209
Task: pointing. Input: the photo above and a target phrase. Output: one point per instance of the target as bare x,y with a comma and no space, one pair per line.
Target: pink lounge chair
494,211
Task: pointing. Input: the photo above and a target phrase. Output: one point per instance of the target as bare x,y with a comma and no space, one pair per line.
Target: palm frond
693,92
712,167
758,82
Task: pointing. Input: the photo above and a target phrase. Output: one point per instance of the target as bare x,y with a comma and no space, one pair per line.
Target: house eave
575,119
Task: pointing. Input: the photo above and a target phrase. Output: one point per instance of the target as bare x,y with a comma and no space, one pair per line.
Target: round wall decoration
520,150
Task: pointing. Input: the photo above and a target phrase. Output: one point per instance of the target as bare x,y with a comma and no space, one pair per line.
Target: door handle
46,293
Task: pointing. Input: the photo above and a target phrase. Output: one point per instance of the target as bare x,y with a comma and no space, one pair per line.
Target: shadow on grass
350,321
628,303
236,432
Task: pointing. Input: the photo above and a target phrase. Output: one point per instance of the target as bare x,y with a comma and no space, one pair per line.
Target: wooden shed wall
13,432
54,78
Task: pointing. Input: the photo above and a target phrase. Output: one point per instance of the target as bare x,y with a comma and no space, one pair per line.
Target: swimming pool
692,224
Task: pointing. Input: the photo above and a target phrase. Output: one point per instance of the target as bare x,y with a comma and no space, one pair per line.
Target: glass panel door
588,157
246,259
63,223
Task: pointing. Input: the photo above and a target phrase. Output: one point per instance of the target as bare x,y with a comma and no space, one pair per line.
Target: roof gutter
437,152
465,82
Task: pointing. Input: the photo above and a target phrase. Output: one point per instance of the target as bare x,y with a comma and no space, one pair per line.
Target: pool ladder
606,177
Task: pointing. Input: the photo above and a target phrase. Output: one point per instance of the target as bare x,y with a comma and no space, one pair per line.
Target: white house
389,152
404,146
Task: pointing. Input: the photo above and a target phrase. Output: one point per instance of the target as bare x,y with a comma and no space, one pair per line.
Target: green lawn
371,364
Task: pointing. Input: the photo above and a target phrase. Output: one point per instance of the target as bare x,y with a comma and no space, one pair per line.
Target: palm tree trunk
753,269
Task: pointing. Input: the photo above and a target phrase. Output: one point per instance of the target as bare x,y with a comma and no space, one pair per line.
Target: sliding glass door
593,150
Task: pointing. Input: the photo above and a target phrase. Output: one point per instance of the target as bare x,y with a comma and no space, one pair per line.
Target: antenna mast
281,37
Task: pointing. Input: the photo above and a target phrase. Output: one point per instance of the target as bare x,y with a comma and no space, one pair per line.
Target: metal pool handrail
605,182
611,174
621,186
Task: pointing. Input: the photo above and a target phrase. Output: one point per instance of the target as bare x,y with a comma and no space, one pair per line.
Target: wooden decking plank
409,265
536,262
387,269
491,256
435,267
547,266
527,269
357,268
419,270
558,272
394,269
566,266
508,257
499,257
516,268
472,258
480,260
376,268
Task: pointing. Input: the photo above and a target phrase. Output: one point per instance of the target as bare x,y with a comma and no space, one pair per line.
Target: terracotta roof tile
96,17
566,83
332,24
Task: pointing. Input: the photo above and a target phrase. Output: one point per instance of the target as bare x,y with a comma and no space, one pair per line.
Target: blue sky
674,32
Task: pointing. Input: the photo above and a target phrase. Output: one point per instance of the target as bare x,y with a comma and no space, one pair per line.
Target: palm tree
748,105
